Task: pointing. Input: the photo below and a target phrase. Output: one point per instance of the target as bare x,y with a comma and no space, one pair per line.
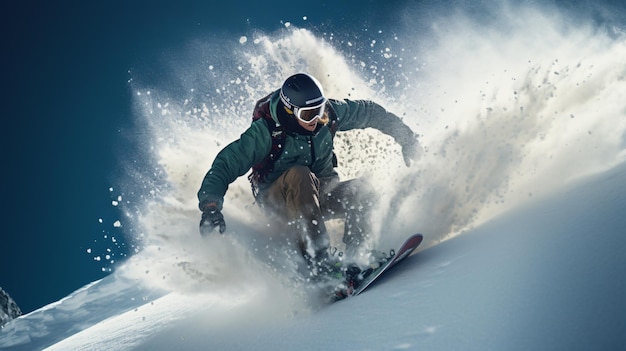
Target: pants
305,201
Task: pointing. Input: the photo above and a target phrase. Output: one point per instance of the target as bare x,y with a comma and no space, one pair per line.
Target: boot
324,266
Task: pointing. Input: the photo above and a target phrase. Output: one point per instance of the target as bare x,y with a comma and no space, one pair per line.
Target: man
289,147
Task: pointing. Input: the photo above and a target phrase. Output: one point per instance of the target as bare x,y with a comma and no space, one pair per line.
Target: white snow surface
519,194
548,276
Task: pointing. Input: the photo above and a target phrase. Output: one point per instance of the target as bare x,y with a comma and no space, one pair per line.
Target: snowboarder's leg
295,197
351,200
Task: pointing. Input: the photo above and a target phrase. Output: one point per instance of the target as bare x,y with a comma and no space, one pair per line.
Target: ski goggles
309,114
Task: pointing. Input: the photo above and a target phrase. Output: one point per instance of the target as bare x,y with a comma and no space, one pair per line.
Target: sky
73,73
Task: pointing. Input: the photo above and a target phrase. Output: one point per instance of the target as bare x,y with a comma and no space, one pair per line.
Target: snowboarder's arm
353,114
233,161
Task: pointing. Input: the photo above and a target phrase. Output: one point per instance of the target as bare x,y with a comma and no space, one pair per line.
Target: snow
8,308
546,276
521,205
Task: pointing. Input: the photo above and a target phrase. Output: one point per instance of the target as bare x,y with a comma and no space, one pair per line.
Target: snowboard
403,252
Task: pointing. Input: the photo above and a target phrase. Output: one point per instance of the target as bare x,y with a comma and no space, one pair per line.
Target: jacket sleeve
233,161
360,114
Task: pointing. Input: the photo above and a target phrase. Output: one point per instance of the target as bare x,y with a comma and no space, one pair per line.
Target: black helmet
304,96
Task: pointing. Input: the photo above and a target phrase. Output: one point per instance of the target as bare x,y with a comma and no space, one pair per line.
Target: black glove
211,218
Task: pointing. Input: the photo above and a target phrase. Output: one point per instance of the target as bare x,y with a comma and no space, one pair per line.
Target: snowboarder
289,147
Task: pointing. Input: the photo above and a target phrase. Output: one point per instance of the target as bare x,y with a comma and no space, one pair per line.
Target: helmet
303,96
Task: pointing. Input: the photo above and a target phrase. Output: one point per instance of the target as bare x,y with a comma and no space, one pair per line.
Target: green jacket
314,150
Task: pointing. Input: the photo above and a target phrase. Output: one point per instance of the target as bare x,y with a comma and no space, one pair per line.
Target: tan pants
305,202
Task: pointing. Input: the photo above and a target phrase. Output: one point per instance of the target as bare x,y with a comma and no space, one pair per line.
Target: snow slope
548,276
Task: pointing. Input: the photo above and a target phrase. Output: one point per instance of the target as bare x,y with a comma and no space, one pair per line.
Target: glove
411,150
211,218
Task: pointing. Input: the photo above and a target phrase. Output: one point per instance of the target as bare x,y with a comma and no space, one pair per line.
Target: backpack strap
333,126
278,135
333,120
